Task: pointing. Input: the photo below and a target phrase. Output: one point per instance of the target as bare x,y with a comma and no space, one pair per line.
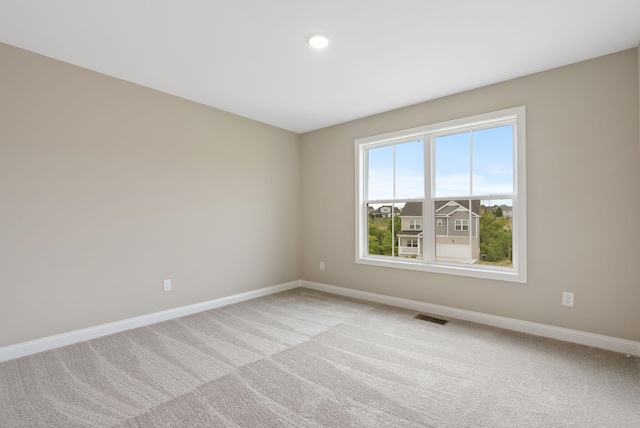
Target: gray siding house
456,228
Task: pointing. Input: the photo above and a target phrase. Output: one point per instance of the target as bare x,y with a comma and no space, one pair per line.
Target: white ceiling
250,57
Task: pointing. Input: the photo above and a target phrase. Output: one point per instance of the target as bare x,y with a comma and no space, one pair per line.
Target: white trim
64,339
461,220
517,273
407,135
448,268
574,336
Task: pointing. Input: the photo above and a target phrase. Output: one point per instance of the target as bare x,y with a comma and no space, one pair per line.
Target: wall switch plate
567,299
166,285
321,265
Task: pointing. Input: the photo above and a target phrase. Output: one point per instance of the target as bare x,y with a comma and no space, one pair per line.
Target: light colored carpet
307,359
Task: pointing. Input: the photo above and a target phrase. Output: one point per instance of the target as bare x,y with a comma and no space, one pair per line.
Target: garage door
455,251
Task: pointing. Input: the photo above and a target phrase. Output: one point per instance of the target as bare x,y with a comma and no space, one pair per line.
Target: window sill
474,271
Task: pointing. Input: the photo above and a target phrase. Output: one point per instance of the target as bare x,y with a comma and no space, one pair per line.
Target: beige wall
107,188
583,165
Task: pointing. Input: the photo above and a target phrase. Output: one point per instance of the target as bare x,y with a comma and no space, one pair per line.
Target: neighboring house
456,230
385,211
410,235
507,211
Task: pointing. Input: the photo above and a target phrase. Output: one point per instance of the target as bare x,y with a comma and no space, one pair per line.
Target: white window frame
412,243
518,272
415,224
462,223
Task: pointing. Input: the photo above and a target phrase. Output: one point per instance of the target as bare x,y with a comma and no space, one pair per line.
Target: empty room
296,213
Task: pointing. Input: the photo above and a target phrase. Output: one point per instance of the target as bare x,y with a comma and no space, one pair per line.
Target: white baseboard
568,335
575,336
52,342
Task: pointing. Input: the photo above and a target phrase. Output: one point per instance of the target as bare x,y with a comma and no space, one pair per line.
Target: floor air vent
431,319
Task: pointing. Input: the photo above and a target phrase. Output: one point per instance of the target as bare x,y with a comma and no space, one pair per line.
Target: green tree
384,241
374,245
395,224
375,239
495,237
375,231
387,243
499,212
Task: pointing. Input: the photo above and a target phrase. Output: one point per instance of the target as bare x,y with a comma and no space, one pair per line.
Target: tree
385,241
499,212
375,239
374,245
495,237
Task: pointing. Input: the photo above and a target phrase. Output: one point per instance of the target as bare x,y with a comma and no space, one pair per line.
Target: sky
466,164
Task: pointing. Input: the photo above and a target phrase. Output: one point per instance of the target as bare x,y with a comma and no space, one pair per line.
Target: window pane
380,177
493,160
457,230
410,236
384,225
410,170
496,233
452,165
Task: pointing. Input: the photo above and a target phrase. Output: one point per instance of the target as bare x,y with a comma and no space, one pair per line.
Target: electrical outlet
567,299
321,265
166,285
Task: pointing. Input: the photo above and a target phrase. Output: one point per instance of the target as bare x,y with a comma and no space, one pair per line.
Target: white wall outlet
567,299
166,285
321,265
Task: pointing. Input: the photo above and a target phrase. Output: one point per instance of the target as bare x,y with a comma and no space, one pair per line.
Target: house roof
504,208
410,233
379,209
412,209
443,208
448,207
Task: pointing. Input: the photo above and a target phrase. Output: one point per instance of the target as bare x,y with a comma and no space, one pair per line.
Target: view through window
446,197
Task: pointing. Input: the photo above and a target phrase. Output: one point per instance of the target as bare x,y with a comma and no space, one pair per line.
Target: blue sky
492,166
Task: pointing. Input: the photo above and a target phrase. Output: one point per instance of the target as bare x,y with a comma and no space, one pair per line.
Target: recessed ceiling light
318,40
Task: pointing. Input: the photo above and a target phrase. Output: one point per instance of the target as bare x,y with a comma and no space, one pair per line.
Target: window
462,224
469,173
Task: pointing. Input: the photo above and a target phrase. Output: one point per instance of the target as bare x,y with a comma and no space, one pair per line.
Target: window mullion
362,221
470,230
470,163
428,216
393,207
